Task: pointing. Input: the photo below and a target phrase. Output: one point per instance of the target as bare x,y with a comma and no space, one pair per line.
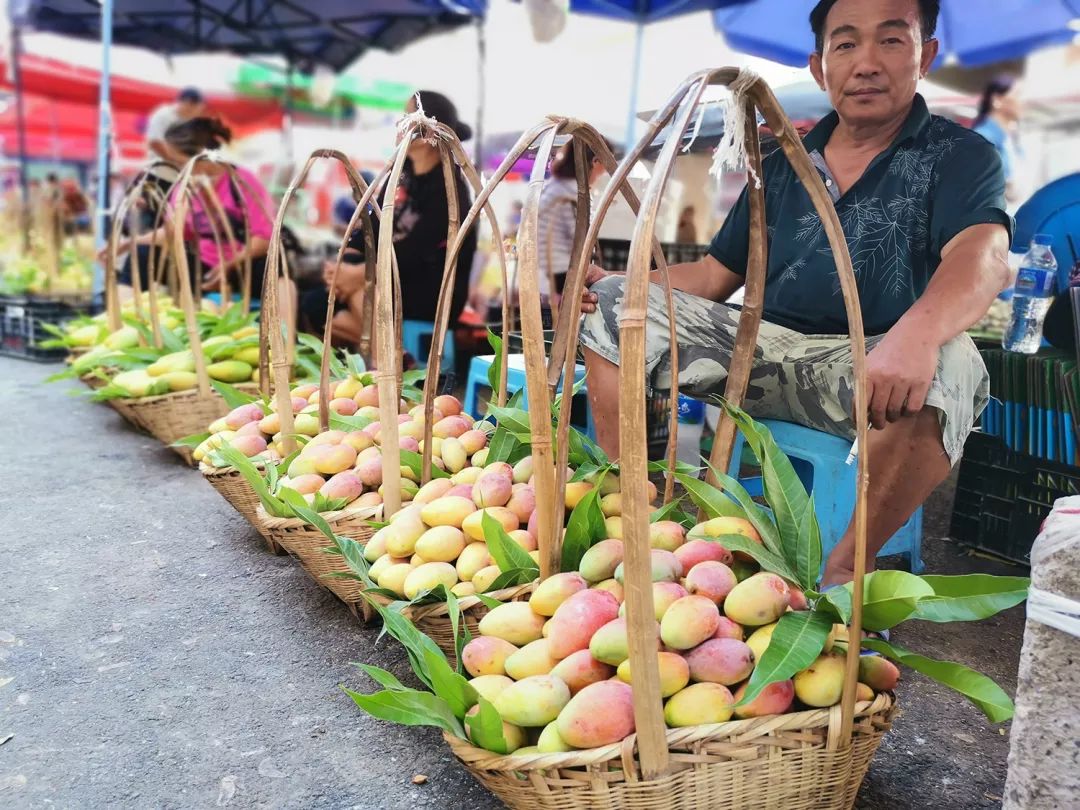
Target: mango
432,490
776,698
600,714
614,588
449,510
717,527
176,361
450,427
729,629
699,704
880,674
534,701
403,534
126,337
448,404
84,336
367,396
575,491
696,551
463,589
759,640
550,741
822,683
370,472
327,438
472,558
522,502
230,371
514,622
500,468
532,659
665,566
428,576
609,644
721,660
343,485
441,544
757,600
349,387
863,693
710,579
466,477
577,618
393,577
376,546
136,382
555,590
580,669
674,672
613,528
667,535
486,655
306,424
270,424
523,539
473,441
611,505
665,594
368,500
514,737
250,429
180,380
472,525
484,578
523,470
600,561
453,455
492,489
688,622
249,355
342,406
301,466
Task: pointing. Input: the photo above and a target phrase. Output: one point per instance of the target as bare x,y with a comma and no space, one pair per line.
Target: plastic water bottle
691,425
1032,295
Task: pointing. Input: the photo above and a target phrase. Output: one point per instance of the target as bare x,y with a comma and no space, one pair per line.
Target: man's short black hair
928,17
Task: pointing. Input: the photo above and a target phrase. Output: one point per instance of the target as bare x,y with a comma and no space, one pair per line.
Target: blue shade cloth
328,32
974,32
1054,209
645,11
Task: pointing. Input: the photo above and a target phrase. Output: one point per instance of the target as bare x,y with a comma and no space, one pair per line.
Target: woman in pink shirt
252,239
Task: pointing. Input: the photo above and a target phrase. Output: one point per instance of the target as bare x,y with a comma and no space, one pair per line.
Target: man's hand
350,277
899,371
212,278
593,274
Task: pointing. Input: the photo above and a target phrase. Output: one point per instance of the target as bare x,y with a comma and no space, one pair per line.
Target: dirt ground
153,654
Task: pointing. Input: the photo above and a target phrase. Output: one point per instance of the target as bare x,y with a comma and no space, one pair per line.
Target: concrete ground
153,654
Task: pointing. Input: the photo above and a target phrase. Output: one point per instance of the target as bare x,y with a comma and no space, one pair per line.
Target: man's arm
705,278
974,269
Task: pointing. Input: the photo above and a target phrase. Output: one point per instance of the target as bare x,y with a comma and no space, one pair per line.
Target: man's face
872,58
189,109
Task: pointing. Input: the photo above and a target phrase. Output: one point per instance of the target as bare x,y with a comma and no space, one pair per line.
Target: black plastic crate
21,330
615,253
1003,497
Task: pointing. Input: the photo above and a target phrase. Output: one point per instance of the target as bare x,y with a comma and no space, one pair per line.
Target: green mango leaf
495,368
504,446
970,597
584,528
761,555
507,554
583,450
486,728
387,680
708,499
295,501
840,599
807,547
234,397
889,597
353,554
514,420
418,646
760,517
410,707
450,685
192,441
355,362
348,423
673,511
796,642
271,503
173,342
990,698
415,462
413,376
488,601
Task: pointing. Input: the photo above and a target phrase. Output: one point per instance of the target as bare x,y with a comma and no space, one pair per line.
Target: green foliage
233,396
584,528
511,558
798,639
415,462
969,597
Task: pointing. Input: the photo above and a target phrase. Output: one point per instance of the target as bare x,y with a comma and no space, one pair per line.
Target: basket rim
190,393
883,703
220,472
437,610
272,522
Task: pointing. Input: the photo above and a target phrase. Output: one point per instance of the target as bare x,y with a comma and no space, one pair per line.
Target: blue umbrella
971,33
1054,209
641,12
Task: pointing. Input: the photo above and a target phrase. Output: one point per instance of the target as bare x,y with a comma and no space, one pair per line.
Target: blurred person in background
189,104
208,264
557,216
998,121
421,220
686,230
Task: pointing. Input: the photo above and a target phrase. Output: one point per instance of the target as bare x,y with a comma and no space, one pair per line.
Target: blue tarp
645,11
327,32
1054,209
971,31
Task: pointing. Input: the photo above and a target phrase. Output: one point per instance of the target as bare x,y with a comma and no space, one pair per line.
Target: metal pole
20,123
635,79
481,92
104,143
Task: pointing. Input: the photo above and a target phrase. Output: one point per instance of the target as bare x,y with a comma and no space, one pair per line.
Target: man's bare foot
836,576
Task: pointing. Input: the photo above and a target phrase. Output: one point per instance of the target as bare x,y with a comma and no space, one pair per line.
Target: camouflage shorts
796,378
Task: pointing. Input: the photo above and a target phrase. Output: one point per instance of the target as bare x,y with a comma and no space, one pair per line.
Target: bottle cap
1043,239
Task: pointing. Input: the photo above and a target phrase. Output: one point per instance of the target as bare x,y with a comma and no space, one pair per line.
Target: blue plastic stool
515,381
412,334
818,456
236,298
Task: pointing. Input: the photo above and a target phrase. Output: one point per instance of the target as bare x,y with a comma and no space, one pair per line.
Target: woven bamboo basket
234,488
434,620
812,760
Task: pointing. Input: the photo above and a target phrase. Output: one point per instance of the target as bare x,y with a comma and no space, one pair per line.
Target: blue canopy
1054,209
328,32
645,11
971,32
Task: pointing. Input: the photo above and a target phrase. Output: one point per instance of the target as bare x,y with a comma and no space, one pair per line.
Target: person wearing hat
421,219
189,104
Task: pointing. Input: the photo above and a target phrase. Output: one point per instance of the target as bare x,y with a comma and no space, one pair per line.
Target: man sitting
921,201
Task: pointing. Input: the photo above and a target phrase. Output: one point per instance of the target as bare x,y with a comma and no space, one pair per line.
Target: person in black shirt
421,220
